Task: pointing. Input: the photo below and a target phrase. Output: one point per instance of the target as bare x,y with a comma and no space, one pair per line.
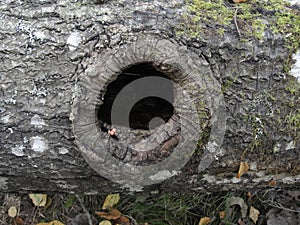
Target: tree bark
57,60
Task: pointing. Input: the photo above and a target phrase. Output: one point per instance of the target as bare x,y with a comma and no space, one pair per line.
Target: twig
279,206
235,22
36,208
133,221
85,210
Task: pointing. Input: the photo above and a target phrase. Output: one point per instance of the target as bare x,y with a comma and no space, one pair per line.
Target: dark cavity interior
147,113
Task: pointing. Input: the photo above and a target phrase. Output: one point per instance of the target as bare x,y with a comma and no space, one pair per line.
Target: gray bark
52,57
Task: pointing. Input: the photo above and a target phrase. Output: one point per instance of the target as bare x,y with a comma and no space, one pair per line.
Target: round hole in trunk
148,112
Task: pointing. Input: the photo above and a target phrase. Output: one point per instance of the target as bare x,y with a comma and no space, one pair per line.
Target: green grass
168,209
152,209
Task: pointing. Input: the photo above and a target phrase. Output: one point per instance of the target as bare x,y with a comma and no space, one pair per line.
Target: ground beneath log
242,208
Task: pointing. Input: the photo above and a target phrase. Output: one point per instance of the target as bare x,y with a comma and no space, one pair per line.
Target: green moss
210,10
293,87
69,202
293,118
250,19
257,132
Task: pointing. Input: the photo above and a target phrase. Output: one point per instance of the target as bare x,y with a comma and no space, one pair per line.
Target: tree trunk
101,96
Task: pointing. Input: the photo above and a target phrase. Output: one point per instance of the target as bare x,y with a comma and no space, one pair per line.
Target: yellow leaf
204,221
12,211
113,214
54,222
222,214
110,201
48,203
249,195
105,222
123,220
272,182
38,199
244,167
253,214
239,1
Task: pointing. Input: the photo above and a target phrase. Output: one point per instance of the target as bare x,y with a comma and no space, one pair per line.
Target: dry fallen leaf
123,220
239,201
105,222
48,202
12,211
110,201
239,1
113,214
54,222
241,222
254,213
244,167
38,199
204,221
222,214
272,182
249,195
18,221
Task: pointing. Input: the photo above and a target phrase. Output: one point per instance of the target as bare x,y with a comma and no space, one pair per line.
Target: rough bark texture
46,49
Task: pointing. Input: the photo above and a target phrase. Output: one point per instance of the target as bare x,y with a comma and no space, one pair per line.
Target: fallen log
102,96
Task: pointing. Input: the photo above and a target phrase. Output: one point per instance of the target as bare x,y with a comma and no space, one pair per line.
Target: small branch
235,22
279,206
85,210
